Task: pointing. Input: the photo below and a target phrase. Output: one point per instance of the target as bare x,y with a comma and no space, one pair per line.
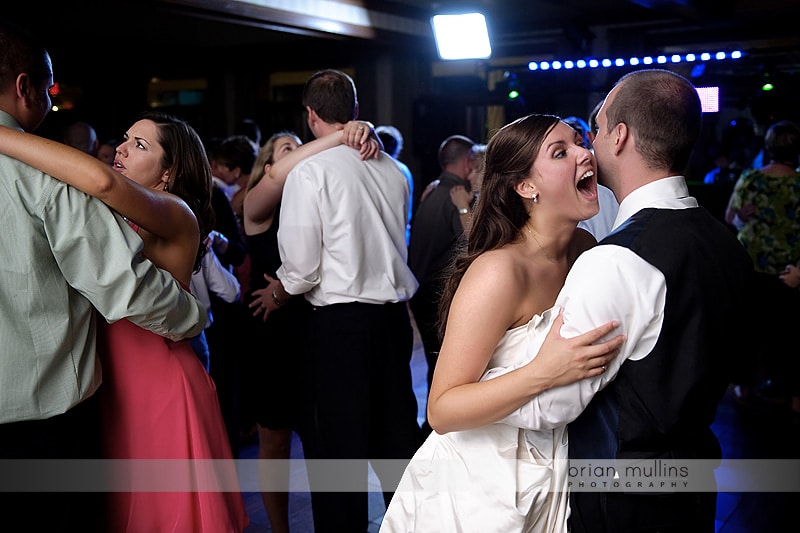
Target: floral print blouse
772,236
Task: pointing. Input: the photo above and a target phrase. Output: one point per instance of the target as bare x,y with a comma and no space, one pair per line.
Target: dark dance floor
762,430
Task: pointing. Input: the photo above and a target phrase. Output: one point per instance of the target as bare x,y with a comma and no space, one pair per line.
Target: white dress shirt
214,278
342,230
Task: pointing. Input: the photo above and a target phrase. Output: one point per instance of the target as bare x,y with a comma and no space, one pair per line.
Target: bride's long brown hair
500,212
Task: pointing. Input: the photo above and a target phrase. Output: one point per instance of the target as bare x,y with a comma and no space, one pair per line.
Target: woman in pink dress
158,401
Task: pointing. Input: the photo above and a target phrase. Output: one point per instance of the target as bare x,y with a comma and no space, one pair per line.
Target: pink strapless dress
158,402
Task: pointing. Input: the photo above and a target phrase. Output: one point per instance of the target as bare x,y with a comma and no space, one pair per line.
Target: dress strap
132,224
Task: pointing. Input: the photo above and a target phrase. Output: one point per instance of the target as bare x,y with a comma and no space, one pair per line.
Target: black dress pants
359,405
613,512
72,435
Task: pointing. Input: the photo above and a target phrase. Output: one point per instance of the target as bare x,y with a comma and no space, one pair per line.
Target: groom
678,280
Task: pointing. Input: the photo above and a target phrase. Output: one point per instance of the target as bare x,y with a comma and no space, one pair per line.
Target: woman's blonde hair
265,156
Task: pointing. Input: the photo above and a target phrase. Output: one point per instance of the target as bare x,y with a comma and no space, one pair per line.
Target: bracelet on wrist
275,298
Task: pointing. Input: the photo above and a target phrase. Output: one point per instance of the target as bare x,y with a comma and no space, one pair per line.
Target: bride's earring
535,197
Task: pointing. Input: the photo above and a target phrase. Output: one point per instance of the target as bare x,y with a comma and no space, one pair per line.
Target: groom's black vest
662,406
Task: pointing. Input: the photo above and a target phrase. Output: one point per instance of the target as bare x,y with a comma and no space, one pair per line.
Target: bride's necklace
532,234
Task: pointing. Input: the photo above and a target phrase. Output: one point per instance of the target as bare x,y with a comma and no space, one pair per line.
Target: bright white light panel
461,36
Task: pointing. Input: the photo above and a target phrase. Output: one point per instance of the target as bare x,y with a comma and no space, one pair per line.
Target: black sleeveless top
264,255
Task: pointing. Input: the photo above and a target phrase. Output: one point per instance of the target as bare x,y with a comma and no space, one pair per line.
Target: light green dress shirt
64,254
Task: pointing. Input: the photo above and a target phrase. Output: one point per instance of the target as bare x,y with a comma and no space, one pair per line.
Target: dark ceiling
191,38
518,28
110,47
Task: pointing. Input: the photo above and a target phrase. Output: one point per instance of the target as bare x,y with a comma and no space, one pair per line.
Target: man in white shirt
343,247
679,283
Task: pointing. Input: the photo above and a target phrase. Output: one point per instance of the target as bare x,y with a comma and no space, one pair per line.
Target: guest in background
231,162
346,254
106,151
477,158
461,197
275,385
726,167
580,125
767,201
272,386
81,135
438,225
157,400
71,255
250,129
392,141
227,339
211,278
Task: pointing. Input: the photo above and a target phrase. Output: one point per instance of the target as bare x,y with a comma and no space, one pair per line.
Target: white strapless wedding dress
497,478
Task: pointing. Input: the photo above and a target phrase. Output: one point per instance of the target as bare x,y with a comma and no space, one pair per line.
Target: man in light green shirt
63,255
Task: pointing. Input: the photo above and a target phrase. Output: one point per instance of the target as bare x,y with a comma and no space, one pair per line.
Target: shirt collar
666,193
8,121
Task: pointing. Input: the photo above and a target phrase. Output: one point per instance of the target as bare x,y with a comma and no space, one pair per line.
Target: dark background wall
110,56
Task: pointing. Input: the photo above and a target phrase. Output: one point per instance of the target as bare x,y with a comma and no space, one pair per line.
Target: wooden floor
763,430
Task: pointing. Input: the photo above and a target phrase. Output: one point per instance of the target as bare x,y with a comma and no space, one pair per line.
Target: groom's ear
620,135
